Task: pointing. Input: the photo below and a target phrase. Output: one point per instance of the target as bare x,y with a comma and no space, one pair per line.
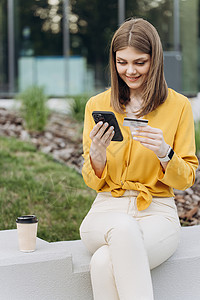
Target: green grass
33,183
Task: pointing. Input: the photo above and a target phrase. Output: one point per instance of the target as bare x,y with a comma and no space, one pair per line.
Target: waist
127,193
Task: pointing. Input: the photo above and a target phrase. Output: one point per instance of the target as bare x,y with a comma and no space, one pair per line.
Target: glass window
3,48
39,42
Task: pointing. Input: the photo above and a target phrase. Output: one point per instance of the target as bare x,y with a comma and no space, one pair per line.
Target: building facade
33,43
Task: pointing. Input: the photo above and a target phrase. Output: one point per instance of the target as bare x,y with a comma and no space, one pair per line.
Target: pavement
55,104
64,105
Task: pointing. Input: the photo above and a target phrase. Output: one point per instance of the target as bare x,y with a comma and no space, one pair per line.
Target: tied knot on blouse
144,197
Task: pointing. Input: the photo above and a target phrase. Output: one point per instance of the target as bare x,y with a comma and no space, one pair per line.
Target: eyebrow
140,58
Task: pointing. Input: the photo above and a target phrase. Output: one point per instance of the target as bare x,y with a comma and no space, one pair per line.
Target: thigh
96,228
92,231
161,237
105,213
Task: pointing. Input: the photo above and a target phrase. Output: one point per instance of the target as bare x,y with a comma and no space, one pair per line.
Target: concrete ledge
47,273
179,277
61,270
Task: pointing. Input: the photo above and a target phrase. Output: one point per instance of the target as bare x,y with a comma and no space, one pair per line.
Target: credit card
135,122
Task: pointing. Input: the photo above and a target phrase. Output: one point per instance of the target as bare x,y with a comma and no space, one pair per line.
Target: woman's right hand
100,141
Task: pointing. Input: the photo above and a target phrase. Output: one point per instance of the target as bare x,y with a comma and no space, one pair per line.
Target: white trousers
126,244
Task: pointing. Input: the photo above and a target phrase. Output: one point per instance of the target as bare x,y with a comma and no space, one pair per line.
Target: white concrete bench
60,271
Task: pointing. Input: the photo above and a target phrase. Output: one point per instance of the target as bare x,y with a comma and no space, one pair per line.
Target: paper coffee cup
27,232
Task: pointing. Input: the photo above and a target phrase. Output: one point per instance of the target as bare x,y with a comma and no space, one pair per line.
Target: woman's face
133,67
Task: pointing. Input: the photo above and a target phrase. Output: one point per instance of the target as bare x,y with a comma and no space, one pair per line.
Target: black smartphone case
109,117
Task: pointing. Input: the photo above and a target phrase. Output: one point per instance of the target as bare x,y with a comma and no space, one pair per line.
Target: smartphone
109,117
135,122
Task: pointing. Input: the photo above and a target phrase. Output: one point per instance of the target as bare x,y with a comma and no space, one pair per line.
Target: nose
131,70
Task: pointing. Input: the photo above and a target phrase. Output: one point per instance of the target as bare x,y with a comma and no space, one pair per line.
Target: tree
39,23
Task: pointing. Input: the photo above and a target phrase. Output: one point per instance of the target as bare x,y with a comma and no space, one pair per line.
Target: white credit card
135,122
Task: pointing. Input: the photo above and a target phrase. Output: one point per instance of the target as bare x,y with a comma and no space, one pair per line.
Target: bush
197,136
33,109
78,107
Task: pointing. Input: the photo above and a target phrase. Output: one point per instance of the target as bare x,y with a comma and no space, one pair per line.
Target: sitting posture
133,225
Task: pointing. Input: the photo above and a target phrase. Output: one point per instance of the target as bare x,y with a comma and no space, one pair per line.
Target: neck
136,94
133,105
135,100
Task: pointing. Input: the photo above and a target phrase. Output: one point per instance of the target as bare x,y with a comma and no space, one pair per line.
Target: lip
133,79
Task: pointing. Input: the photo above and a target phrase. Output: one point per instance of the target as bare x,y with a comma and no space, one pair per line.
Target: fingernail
105,124
100,123
111,127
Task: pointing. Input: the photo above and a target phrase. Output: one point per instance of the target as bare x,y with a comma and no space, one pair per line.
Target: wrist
168,156
97,154
165,153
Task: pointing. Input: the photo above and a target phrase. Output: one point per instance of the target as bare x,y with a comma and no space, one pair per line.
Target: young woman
133,225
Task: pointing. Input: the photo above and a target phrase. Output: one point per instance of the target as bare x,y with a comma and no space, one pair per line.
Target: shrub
197,136
78,107
34,110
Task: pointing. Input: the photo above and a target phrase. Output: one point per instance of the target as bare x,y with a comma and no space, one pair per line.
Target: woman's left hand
151,138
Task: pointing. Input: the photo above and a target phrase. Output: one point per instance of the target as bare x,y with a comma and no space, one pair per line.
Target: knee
126,225
100,259
126,229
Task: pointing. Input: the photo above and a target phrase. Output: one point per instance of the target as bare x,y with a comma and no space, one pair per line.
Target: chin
134,86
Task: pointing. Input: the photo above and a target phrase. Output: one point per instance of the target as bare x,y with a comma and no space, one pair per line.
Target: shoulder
175,107
101,101
176,99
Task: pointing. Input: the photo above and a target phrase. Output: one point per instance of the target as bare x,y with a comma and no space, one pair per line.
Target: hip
105,202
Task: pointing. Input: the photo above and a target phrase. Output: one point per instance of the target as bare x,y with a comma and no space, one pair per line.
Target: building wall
59,77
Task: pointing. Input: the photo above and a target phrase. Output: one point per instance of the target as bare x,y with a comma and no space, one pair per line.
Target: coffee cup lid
27,219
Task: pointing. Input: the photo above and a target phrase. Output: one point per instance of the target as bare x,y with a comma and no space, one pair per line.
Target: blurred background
63,45
53,57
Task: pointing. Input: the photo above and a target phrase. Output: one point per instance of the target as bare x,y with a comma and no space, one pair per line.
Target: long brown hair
141,35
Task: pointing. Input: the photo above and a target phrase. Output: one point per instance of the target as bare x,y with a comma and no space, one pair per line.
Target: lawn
31,182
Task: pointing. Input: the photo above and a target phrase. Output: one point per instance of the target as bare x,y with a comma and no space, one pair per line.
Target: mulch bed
62,139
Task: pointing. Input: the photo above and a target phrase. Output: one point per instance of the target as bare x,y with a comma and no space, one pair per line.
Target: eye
121,62
140,63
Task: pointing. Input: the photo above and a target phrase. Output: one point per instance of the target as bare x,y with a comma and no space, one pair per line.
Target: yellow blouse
131,166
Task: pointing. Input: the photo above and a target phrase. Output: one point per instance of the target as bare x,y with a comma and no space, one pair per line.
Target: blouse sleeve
88,173
180,171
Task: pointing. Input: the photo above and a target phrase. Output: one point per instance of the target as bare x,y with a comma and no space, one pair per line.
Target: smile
133,79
